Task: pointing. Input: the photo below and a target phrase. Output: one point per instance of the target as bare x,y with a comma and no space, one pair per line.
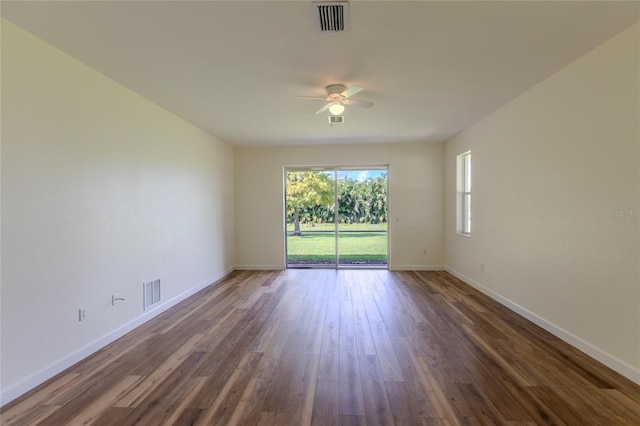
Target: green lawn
342,226
316,245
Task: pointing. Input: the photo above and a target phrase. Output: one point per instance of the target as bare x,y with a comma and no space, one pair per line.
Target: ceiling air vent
331,16
336,120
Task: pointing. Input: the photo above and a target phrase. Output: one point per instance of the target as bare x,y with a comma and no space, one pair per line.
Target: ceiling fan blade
313,98
358,103
351,91
324,108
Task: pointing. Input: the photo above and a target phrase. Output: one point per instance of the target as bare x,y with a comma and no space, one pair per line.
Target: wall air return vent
331,16
151,294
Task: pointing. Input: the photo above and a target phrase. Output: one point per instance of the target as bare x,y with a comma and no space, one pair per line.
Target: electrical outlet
482,266
82,314
424,251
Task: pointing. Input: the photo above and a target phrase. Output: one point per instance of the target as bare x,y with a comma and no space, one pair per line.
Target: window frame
464,184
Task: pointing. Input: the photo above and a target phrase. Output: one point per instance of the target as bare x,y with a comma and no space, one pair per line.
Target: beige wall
101,191
416,181
548,170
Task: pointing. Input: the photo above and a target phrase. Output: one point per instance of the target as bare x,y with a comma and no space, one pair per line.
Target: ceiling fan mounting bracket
336,89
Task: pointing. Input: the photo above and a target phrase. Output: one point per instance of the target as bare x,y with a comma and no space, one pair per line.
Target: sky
360,175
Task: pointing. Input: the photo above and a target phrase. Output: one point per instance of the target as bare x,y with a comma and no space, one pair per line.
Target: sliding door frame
335,169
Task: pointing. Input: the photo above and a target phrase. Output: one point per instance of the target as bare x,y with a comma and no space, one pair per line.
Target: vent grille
152,293
331,17
336,119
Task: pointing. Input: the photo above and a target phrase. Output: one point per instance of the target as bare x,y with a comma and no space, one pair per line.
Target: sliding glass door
362,217
310,218
336,217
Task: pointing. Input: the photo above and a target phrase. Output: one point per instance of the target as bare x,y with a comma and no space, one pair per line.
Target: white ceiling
234,68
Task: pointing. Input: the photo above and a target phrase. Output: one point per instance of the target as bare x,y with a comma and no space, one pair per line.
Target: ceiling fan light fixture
336,109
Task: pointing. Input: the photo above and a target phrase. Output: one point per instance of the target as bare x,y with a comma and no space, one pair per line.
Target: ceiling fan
337,97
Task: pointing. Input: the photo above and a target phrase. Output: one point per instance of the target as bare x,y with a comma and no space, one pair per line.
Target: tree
307,190
377,196
362,201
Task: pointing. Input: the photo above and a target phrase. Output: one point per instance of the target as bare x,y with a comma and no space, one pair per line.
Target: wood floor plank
221,364
300,408
364,338
15,412
35,415
183,405
168,395
483,410
188,417
218,332
347,420
315,318
560,409
107,400
329,350
325,405
144,387
350,397
376,403
385,352
388,307
347,323
424,399
326,347
248,408
402,403
276,398
113,416
223,406
495,377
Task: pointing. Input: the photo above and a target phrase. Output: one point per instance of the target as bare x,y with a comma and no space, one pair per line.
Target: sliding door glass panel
362,217
310,210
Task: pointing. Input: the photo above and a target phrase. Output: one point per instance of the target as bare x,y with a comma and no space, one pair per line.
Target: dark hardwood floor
326,347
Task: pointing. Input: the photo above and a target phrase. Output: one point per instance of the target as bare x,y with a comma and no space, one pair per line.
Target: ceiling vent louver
331,16
336,119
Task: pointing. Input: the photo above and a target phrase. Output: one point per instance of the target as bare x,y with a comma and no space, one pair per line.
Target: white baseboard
259,267
607,359
391,267
416,267
48,372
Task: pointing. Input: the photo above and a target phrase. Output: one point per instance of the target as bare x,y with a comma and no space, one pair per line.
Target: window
464,193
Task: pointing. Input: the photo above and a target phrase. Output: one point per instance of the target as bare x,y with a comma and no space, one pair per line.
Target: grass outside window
359,244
